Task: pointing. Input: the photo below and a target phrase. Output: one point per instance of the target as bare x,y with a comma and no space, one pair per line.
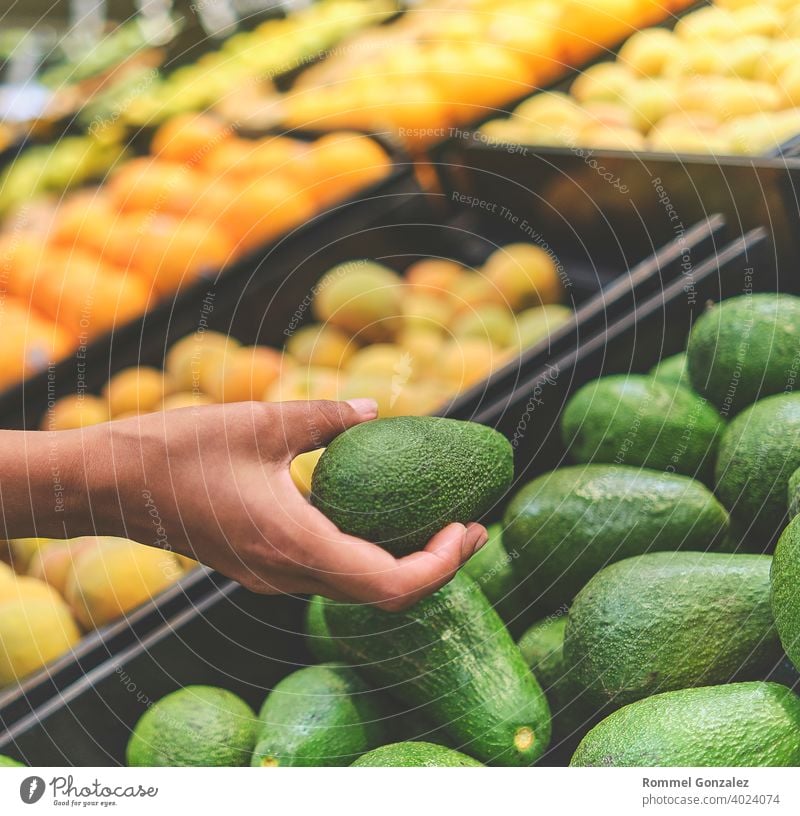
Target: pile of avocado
663,621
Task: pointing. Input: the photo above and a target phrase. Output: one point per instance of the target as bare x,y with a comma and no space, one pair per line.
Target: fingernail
482,539
364,407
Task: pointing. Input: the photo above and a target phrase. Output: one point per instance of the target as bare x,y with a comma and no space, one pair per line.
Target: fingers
364,572
305,426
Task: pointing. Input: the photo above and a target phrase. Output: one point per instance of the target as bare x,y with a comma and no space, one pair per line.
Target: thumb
306,425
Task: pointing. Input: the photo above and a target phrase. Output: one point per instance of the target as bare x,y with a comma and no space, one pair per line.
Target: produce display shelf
605,282
246,642
255,275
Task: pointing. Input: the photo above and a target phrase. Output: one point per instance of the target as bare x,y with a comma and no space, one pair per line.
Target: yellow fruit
362,298
380,358
466,362
135,390
33,631
525,274
116,576
604,82
781,55
75,411
185,399
244,374
746,57
425,311
433,276
472,290
611,138
302,468
539,322
683,139
320,345
193,359
551,110
697,58
612,114
418,399
707,24
491,322
186,563
649,101
26,587
6,573
760,20
52,562
304,383
424,345
649,52
22,551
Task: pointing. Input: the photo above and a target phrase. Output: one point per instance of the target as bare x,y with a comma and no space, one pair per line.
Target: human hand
213,483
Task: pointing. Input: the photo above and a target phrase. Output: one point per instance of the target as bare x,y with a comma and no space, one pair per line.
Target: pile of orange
438,67
202,198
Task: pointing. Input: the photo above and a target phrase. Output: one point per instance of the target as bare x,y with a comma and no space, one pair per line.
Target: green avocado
744,349
200,726
569,523
319,716
737,725
451,654
672,371
785,580
759,452
666,621
542,646
492,568
633,419
398,481
793,498
318,637
415,755
8,762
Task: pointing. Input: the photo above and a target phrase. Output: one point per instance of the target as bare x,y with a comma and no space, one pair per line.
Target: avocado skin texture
542,646
8,762
569,523
633,419
672,370
452,654
668,621
760,450
415,755
318,637
493,570
398,481
785,592
793,498
319,716
200,726
744,349
737,725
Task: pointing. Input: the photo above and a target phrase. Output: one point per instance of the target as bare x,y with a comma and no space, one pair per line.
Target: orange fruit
341,163
245,374
155,186
83,220
265,210
277,153
135,390
228,158
188,137
173,252
75,411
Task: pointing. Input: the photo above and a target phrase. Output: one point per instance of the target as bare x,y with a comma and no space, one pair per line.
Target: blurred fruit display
725,81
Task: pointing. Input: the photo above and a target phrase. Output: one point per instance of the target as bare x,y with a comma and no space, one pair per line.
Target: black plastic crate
247,642
604,286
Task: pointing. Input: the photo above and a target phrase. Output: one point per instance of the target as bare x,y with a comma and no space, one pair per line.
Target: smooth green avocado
666,621
415,755
318,637
738,725
8,762
200,726
744,349
569,523
633,419
398,481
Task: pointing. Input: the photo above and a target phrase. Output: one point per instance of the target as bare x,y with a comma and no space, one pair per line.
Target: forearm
60,484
